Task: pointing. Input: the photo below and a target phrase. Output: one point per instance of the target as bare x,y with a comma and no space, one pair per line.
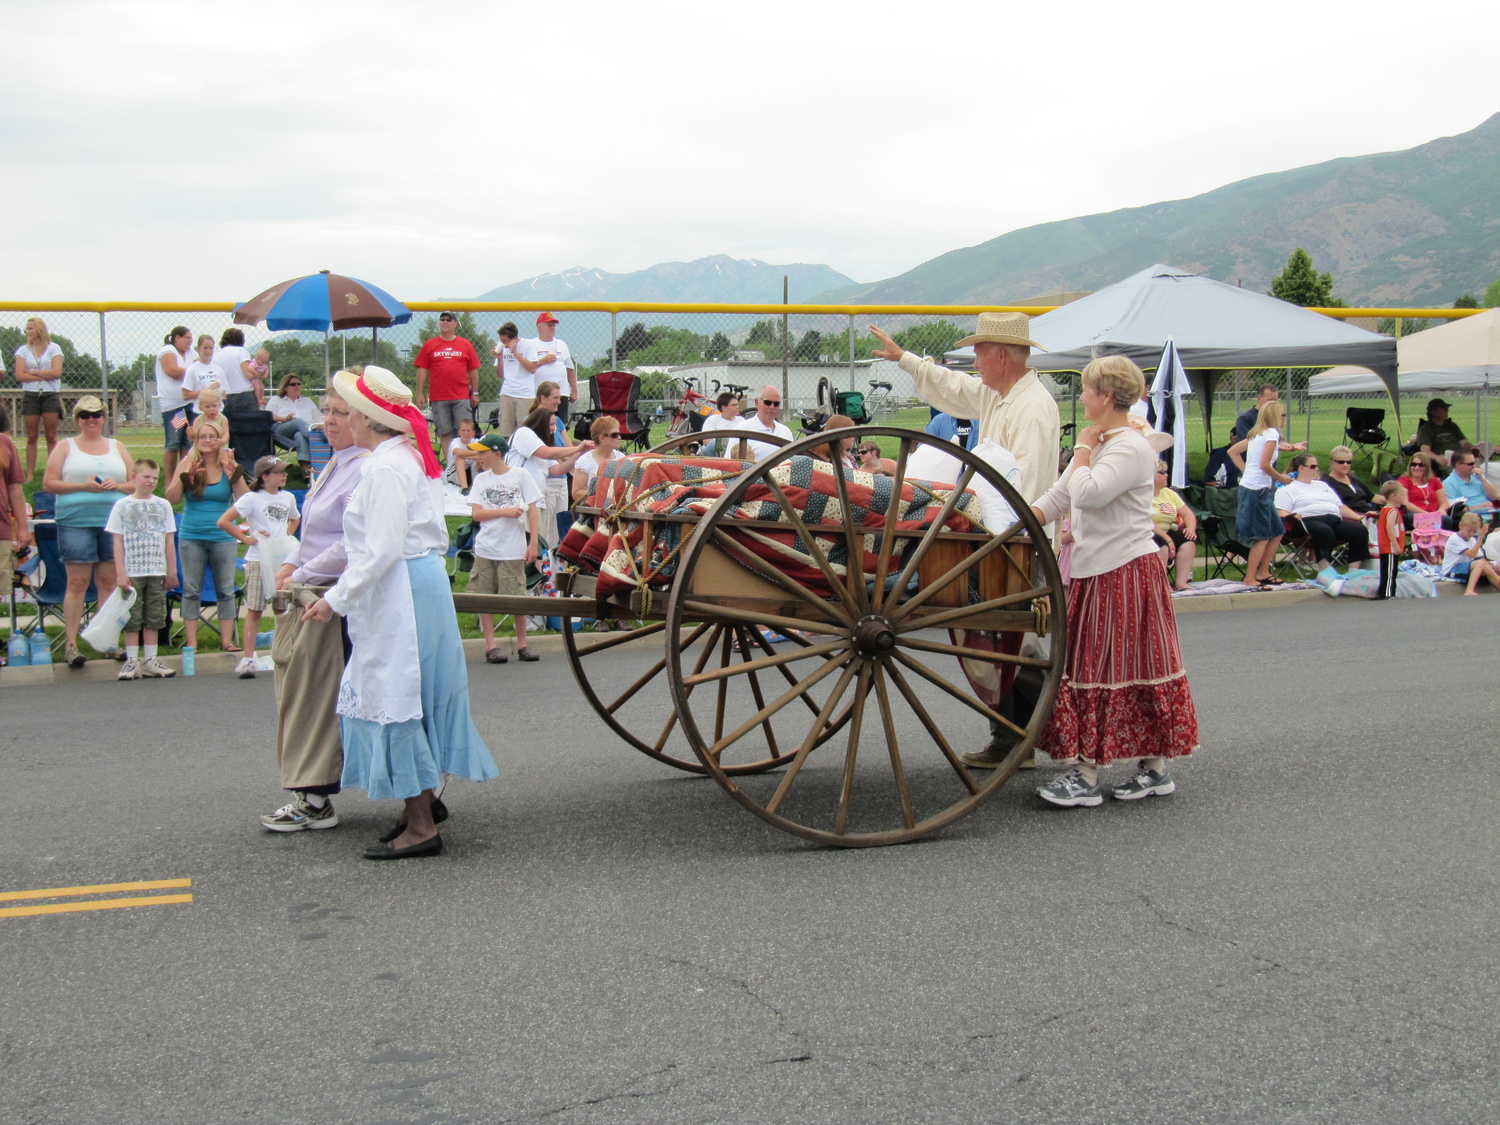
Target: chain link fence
804,355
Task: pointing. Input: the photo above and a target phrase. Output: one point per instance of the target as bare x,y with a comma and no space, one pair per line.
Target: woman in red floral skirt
1124,695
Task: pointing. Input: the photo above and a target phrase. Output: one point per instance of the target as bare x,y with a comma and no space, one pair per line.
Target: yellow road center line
101,888
94,904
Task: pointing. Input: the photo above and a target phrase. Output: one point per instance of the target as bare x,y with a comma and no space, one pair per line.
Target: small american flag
179,420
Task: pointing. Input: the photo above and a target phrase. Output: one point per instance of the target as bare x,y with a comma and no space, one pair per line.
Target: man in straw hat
1014,410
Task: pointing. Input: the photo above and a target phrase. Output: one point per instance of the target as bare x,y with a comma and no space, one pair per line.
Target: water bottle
189,661
263,640
20,653
41,649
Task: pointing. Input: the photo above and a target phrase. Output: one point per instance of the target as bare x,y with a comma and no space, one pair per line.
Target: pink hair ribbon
430,464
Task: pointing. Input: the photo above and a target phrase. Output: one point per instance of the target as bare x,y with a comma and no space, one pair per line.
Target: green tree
809,348
930,339
636,338
1301,284
1467,301
1492,295
719,347
765,337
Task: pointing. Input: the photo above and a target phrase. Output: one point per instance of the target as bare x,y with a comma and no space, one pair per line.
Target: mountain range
1416,227
718,279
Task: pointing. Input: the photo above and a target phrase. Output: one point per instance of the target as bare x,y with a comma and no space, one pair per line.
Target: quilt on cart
637,488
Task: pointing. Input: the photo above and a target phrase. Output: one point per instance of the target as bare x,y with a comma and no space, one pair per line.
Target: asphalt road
1305,933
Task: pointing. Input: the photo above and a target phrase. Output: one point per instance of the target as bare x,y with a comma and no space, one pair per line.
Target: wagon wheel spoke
815,549
930,536
622,638
883,697
933,620
957,693
856,724
743,555
959,569
759,697
986,655
931,727
708,649
826,668
651,673
765,663
811,740
731,637
888,537
746,617
786,672
854,542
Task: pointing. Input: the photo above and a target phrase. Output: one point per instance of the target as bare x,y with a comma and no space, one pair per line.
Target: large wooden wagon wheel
643,713
895,775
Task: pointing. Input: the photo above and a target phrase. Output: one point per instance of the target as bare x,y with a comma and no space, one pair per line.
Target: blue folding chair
50,580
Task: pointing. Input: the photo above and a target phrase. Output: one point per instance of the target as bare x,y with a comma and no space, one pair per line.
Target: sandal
524,653
494,656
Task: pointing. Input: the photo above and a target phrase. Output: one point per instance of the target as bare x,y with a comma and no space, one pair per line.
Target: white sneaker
245,669
154,669
130,670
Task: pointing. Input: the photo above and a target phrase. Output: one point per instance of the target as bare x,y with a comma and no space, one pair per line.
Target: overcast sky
197,151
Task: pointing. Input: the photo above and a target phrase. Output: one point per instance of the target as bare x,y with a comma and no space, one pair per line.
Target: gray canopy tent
1216,328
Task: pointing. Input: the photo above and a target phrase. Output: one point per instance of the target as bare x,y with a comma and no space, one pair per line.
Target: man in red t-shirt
452,364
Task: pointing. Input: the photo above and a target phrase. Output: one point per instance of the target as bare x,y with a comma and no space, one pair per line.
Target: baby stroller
851,404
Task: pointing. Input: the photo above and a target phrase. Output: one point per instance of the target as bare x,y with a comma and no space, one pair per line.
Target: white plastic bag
272,553
103,632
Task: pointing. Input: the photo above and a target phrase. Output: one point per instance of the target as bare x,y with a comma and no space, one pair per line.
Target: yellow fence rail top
659,307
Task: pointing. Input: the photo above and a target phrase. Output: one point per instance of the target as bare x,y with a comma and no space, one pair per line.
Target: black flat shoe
433,846
439,814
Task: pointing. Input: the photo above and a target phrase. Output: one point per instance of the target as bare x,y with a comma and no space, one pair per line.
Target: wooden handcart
849,731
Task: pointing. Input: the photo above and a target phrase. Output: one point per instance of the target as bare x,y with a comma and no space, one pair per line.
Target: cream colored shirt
1024,422
1111,503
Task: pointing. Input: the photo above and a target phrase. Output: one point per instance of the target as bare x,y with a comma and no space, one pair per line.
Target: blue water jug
189,661
41,649
20,653
263,640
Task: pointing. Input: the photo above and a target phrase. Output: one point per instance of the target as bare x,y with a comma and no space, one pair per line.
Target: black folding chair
1363,430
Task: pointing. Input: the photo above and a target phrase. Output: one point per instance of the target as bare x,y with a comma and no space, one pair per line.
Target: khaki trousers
309,659
513,412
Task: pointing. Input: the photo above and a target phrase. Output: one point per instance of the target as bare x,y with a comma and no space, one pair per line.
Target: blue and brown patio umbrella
323,302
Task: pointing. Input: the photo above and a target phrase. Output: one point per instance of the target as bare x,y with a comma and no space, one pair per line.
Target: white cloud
168,150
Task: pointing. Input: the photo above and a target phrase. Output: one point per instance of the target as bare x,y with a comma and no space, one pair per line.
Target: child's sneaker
1145,783
130,670
245,669
1070,791
154,669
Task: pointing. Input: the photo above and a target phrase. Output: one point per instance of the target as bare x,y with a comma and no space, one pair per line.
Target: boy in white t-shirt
503,501
459,455
269,512
145,561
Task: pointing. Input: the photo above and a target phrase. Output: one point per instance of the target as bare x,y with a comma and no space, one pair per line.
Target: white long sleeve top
1111,503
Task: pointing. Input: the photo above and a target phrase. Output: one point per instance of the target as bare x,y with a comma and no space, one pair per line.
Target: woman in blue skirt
404,698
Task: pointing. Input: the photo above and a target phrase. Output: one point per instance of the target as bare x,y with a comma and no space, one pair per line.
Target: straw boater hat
1002,328
361,392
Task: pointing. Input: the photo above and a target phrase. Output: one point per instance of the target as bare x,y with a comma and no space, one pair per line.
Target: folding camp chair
1217,510
1296,555
49,582
617,394
1363,432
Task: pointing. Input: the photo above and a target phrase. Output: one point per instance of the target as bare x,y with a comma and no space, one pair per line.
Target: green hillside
1419,227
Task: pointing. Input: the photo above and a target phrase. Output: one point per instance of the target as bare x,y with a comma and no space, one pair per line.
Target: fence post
109,421
785,383
614,342
851,351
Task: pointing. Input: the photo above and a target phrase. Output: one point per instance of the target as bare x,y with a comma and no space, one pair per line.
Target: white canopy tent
1216,328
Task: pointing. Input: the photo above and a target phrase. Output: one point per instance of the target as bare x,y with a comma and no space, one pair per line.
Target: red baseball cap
546,318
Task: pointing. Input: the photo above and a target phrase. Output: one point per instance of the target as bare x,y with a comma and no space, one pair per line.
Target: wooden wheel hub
873,636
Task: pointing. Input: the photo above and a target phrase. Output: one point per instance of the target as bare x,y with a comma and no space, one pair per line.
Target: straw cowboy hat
361,392
1002,328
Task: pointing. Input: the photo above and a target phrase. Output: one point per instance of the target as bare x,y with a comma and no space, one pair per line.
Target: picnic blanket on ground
639,487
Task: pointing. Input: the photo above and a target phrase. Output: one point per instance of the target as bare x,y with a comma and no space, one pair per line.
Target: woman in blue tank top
207,489
88,474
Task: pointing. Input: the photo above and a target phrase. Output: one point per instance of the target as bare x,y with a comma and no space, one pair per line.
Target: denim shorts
85,545
175,440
